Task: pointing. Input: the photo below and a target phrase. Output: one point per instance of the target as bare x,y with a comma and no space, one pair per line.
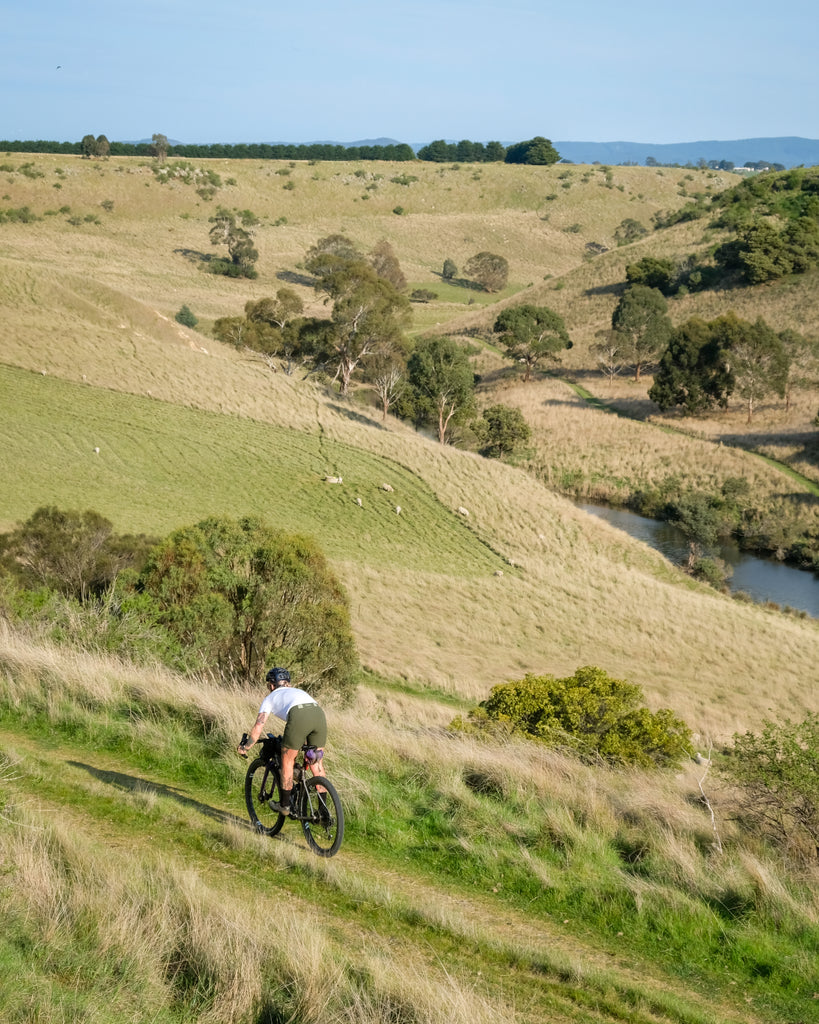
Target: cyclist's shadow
133,783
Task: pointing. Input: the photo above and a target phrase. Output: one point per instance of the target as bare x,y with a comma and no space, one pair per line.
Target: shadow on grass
194,256
356,417
293,278
132,783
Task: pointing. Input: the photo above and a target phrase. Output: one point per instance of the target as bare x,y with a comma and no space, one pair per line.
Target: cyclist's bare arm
255,733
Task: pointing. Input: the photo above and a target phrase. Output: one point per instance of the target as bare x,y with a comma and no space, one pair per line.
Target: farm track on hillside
548,970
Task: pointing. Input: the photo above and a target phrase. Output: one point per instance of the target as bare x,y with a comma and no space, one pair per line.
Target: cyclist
304,722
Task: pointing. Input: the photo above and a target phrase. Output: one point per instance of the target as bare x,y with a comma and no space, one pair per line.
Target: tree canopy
244,595
442,383
534,151
239,242
488,270
640,320
705,363
531,333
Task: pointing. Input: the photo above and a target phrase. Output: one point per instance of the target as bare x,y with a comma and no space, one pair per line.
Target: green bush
75,554
186,317
777,772
500,431
238,593
590,713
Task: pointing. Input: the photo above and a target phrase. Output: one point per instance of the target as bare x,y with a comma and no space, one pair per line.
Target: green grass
120,838
160,466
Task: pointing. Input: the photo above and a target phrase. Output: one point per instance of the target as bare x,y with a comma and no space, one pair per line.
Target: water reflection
764,579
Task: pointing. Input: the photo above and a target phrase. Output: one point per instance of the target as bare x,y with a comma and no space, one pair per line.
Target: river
764,579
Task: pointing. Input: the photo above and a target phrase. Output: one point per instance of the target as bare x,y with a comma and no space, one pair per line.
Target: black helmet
277,676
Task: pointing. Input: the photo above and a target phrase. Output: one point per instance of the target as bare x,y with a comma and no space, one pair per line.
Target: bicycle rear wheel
263,787
322,818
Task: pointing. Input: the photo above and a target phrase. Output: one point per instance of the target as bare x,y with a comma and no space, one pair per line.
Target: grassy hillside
465,890
500,882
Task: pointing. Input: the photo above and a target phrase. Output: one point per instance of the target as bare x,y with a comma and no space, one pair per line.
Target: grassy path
549,971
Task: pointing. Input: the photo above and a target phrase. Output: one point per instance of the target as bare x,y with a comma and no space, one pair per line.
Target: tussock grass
465,853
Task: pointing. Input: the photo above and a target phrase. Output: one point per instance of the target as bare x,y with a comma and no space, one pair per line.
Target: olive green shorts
305,724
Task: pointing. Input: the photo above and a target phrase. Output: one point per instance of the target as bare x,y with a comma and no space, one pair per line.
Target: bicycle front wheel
322,818
263,788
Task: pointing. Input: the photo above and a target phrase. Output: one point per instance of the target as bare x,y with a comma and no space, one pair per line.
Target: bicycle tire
322,817
262,787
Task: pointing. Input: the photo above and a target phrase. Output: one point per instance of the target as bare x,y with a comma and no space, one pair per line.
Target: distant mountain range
789,151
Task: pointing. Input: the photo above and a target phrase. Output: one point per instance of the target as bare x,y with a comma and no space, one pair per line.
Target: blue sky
206,71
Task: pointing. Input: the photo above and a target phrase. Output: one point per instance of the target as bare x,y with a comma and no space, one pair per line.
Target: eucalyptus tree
443,384
640,320
531,333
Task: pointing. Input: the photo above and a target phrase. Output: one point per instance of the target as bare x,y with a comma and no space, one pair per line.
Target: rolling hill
501,880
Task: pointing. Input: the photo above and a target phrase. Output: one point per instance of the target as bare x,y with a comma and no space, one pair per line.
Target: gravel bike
314,803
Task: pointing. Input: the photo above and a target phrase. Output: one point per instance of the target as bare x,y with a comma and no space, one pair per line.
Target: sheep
398,510
358,502
386,487
462,511
334,480
96,451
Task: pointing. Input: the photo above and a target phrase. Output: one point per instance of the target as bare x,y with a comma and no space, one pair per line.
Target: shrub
186,317
450,270
501,430
228,269
423,295
73,553
777,773
596,716
238,593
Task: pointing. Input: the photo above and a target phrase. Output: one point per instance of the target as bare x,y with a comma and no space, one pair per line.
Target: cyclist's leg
288,760
317,737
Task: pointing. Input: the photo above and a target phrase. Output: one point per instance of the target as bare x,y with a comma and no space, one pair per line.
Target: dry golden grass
578,591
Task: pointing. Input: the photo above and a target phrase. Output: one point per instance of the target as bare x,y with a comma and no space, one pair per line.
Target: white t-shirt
279,701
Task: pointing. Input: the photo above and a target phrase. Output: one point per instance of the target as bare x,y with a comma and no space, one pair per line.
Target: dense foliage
74,554
440,386
464,152
488,270
500,431
228,596
641,325
777,772
534,151
531,333
704,364
590,713
241,594
239,242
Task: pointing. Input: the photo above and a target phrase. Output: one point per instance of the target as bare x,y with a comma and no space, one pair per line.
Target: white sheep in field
358,502
334,480
462,511
386,487
398,510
